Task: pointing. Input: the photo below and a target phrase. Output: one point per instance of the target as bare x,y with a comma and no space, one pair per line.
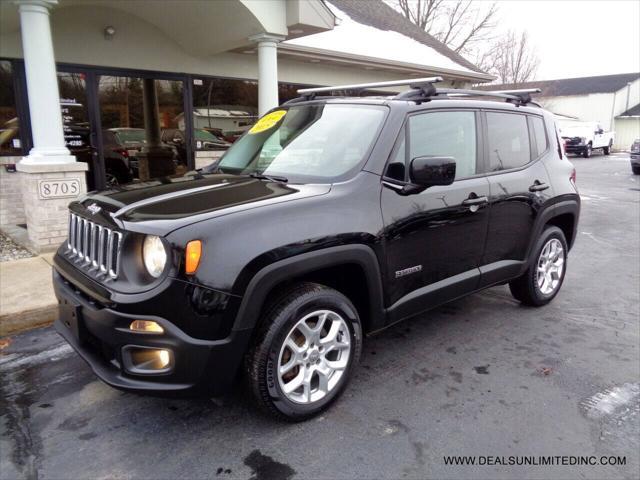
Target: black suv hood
163,205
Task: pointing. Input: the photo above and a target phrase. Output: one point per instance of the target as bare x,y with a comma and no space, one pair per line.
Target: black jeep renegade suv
332,218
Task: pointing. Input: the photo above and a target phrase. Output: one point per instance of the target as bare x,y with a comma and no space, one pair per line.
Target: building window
289,91
223,109
10,141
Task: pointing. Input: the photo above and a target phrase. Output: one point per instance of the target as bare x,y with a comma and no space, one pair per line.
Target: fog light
146,326
147,360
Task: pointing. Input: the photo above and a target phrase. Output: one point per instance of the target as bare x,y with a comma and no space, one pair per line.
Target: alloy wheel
550,266
314,356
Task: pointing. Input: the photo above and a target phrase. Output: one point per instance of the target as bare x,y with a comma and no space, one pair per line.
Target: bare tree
421,12
459,24
511,58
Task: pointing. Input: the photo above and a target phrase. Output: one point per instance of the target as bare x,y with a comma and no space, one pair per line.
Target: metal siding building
603,99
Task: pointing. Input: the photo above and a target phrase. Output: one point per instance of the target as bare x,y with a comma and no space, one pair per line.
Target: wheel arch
565,215
352,270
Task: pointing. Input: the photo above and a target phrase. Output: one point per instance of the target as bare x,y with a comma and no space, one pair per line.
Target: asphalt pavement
482,377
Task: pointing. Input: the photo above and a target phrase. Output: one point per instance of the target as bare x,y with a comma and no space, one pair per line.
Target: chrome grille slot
96,246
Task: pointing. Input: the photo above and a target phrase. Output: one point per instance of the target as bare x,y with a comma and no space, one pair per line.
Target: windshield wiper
271,178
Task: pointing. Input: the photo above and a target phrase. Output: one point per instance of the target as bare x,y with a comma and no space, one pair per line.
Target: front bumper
99,334
575,149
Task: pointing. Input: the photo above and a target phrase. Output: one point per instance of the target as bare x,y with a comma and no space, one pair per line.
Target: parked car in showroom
121,149
330,219
204,141
582,138
635,156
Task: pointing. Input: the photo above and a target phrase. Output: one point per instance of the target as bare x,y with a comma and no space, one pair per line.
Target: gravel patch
9,250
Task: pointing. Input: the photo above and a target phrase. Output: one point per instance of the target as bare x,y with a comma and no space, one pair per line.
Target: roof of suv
411,105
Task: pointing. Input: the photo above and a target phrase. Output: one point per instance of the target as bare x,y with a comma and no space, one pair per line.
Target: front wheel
586,153
543,279
635,170
304,352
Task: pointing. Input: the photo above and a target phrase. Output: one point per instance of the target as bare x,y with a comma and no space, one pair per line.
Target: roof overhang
201,27
315,55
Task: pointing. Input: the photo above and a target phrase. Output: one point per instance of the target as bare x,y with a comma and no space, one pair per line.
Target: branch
478,28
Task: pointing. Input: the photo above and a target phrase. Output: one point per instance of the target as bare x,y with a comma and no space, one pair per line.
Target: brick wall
47,220
11,207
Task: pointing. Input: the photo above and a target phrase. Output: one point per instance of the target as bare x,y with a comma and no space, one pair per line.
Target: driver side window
445,134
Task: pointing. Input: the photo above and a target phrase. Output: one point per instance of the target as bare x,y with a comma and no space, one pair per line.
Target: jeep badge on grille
93,208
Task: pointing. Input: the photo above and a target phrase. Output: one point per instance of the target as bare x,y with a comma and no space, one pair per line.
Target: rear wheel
304,352
543,279
586,153
607,149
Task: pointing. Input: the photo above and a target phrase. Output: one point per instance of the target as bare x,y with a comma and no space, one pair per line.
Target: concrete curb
27,320
26,294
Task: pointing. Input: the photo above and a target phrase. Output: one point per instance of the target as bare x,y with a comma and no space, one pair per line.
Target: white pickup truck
581,138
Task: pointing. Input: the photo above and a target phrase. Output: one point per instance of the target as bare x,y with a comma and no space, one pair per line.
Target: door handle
471,201
538,187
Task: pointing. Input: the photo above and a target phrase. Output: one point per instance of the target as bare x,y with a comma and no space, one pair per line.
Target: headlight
154,255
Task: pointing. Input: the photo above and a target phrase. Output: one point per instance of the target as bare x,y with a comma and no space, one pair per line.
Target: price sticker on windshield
268,121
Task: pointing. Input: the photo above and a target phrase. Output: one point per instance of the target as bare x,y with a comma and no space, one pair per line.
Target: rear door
519,186
434,240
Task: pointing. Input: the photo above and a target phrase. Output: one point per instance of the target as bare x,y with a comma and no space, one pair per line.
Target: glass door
140,128
128,127
75,121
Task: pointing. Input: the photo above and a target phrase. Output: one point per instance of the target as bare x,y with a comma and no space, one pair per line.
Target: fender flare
571,206
271,275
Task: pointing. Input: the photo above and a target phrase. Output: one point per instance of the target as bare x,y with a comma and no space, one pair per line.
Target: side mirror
431,171
426,172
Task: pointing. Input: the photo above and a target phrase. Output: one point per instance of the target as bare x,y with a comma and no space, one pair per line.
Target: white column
42,84
267,70
49,176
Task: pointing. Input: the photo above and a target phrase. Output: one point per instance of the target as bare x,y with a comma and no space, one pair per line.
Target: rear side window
508,138
537,125
445,134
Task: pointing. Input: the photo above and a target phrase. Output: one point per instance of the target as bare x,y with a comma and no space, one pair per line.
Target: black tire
117,174
586,153
525,288
277,322
635,170
607,149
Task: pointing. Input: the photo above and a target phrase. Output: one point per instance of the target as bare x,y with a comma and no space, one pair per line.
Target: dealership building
96,93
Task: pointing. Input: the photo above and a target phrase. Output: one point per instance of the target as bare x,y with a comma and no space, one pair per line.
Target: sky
578,38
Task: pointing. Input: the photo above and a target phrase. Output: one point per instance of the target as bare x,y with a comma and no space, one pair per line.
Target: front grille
96,246
572,140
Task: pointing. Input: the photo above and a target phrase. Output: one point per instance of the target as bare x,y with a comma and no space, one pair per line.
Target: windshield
131,136
306,143
205,136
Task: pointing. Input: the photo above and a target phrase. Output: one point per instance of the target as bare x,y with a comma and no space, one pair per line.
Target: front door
107,126
79,130
434,241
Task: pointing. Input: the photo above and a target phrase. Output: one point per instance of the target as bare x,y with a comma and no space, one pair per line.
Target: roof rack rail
422,90
417,83
519,97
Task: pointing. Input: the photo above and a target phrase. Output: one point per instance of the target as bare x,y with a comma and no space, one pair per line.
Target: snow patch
15,360
355,38
607,402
